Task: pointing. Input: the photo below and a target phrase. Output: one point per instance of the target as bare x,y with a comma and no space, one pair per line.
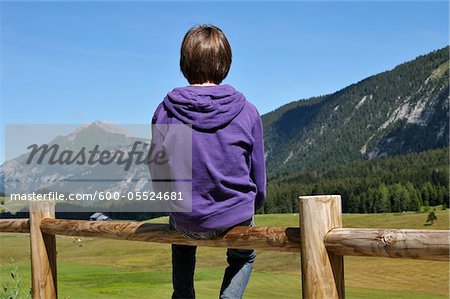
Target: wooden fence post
322,272
43,252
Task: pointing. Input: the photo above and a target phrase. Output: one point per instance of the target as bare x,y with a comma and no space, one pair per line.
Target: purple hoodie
228,167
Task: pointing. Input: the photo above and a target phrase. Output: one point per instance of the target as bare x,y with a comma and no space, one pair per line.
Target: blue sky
76,62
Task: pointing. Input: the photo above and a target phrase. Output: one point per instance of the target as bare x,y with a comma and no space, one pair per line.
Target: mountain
396,112
70,174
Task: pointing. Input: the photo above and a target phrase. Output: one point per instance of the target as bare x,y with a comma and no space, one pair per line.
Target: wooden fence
321,241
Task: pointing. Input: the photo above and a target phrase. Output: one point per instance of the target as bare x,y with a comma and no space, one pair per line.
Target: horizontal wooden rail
267,238
394,243
14,225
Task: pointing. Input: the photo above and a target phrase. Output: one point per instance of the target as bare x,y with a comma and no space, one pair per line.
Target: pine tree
431,218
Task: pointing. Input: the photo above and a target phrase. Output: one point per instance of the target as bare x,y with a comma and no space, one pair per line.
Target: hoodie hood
205,107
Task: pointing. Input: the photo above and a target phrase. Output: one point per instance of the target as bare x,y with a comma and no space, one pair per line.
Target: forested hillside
381,143
393,113
394,184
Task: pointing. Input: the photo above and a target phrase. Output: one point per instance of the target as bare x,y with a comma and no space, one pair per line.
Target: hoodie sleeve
258,165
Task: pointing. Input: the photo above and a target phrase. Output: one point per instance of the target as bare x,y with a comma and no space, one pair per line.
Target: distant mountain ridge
78,176
396,112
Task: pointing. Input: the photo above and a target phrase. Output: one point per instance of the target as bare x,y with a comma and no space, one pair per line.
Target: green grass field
100,268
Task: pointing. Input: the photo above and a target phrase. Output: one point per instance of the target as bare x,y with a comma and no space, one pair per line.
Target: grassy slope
97,268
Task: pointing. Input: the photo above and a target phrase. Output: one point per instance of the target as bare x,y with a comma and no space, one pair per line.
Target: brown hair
205,55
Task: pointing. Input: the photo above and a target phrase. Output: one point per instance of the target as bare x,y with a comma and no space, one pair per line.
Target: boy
228,168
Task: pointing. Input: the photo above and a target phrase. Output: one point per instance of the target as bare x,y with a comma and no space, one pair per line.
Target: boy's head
205,55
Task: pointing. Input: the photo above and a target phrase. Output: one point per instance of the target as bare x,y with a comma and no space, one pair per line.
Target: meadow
100,268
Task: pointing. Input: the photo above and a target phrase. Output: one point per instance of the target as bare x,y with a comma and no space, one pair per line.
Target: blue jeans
236,276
